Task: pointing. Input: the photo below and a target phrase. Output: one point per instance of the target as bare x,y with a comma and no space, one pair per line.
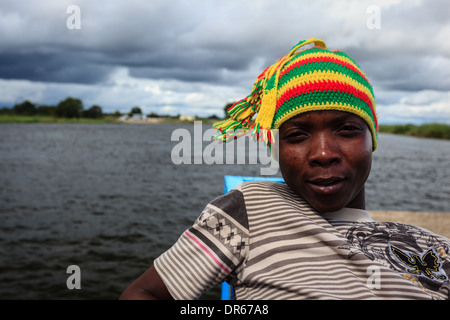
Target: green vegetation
428,130
12,118
70,110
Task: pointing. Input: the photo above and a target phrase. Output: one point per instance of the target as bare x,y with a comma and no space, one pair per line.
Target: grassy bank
12,118
49,119
428,130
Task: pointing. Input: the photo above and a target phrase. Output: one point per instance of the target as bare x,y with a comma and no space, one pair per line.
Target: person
310,237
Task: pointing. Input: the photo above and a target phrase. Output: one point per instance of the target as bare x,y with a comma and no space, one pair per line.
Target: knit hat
309,78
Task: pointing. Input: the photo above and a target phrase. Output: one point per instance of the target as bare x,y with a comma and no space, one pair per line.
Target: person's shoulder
411,233
432,235
230,205
236,196
262,185
265,187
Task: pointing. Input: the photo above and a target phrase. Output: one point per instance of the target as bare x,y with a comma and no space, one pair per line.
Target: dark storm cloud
187,41
64,67
171,52
404,70
78,64
188,64
196,41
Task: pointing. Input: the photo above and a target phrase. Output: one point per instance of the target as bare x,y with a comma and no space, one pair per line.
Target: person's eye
294,135
350,130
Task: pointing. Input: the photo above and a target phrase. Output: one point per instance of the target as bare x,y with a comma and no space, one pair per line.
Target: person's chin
327,203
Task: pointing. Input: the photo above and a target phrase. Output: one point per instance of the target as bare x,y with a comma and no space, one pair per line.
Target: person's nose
324,151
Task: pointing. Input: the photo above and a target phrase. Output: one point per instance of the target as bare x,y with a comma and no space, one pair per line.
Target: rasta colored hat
309,78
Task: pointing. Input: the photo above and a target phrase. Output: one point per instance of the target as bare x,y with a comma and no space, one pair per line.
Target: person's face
325,157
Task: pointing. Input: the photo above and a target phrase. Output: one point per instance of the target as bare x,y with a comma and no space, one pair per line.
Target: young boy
310,238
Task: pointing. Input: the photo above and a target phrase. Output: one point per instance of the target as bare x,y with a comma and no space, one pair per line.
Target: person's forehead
333,116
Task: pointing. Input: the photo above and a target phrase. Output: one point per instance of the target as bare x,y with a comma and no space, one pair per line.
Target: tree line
74,108
68,108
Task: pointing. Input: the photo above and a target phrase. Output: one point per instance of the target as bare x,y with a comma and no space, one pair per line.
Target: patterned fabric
208,252
307,79
270,244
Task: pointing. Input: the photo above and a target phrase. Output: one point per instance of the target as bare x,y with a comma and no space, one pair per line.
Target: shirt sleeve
210,251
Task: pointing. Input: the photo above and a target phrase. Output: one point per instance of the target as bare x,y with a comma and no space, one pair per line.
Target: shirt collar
348,214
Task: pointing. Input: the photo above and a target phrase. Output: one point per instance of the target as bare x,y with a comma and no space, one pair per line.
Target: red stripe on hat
322,59
326,85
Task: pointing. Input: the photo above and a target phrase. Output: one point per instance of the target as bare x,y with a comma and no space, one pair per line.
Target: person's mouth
327,185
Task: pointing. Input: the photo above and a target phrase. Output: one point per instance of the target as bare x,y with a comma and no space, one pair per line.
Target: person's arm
149,286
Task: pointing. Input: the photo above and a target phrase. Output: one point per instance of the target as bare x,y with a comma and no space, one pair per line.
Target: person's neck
358,202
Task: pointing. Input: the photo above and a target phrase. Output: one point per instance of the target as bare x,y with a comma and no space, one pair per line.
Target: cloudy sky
194,56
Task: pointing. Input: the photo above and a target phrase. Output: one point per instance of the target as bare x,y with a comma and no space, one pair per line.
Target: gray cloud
66,67
194,42
218,43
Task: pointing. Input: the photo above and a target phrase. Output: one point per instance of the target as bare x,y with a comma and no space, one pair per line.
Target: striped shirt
269,243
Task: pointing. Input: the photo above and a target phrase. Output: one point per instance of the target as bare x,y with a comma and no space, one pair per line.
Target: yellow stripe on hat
325,75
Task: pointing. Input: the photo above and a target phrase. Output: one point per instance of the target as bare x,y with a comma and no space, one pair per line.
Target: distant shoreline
105,119
50,119
428,130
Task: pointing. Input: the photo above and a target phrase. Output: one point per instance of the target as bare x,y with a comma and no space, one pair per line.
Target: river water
109,199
